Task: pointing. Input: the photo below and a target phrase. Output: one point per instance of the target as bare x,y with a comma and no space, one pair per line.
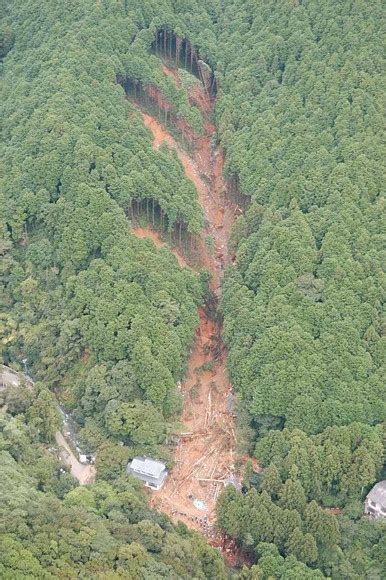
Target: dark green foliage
98,314
95,313
107,321
254,518
95,531
272,565
288,533
299,117
337,463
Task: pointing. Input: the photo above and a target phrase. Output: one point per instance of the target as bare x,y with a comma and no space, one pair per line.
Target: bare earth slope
204,456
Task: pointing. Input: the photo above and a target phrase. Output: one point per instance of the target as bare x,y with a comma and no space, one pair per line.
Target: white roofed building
375,504
152,473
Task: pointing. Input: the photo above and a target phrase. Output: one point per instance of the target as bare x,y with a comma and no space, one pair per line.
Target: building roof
147,466
378,493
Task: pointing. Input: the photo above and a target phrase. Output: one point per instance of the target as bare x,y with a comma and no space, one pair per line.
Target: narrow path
204,456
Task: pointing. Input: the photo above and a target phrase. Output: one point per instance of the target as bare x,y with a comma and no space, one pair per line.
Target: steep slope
204,456
106,320
93,311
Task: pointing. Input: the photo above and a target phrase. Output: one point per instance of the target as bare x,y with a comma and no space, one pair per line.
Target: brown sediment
171,72
204,169
205,453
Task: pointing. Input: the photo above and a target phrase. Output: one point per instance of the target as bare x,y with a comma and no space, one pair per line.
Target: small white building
375,504
152,473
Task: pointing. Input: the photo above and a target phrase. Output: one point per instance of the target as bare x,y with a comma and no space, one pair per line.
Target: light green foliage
300,472
299,116
256,518
300,540
137,423
102,530
106,320
97,313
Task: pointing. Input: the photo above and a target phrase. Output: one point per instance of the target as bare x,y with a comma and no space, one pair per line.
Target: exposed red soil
159,243
198,95
205,453
205,171
171,72
159,102
158,99
233,555
206,450
200,98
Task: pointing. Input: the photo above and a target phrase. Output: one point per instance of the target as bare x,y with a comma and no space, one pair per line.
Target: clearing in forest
204,455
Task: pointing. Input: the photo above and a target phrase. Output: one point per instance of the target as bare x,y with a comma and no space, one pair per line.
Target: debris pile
204,458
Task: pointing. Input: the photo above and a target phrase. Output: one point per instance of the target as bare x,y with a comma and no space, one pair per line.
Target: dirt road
204,456
85,474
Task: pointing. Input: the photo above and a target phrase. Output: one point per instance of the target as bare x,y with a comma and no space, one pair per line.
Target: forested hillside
96,312
51,528
300,116
104,321
301,125
288,516
300,119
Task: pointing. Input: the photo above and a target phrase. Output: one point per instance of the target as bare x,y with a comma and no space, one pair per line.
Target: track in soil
204,456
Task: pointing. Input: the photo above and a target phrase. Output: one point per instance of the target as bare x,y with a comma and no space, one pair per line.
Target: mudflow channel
204,455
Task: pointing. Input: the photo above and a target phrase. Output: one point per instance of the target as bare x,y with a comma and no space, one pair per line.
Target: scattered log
210,479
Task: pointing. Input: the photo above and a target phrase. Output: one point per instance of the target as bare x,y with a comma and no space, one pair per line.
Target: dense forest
302,131
104,321
300,117
95,311
53,528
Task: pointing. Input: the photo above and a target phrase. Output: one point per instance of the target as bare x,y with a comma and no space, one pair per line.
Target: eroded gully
204,455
